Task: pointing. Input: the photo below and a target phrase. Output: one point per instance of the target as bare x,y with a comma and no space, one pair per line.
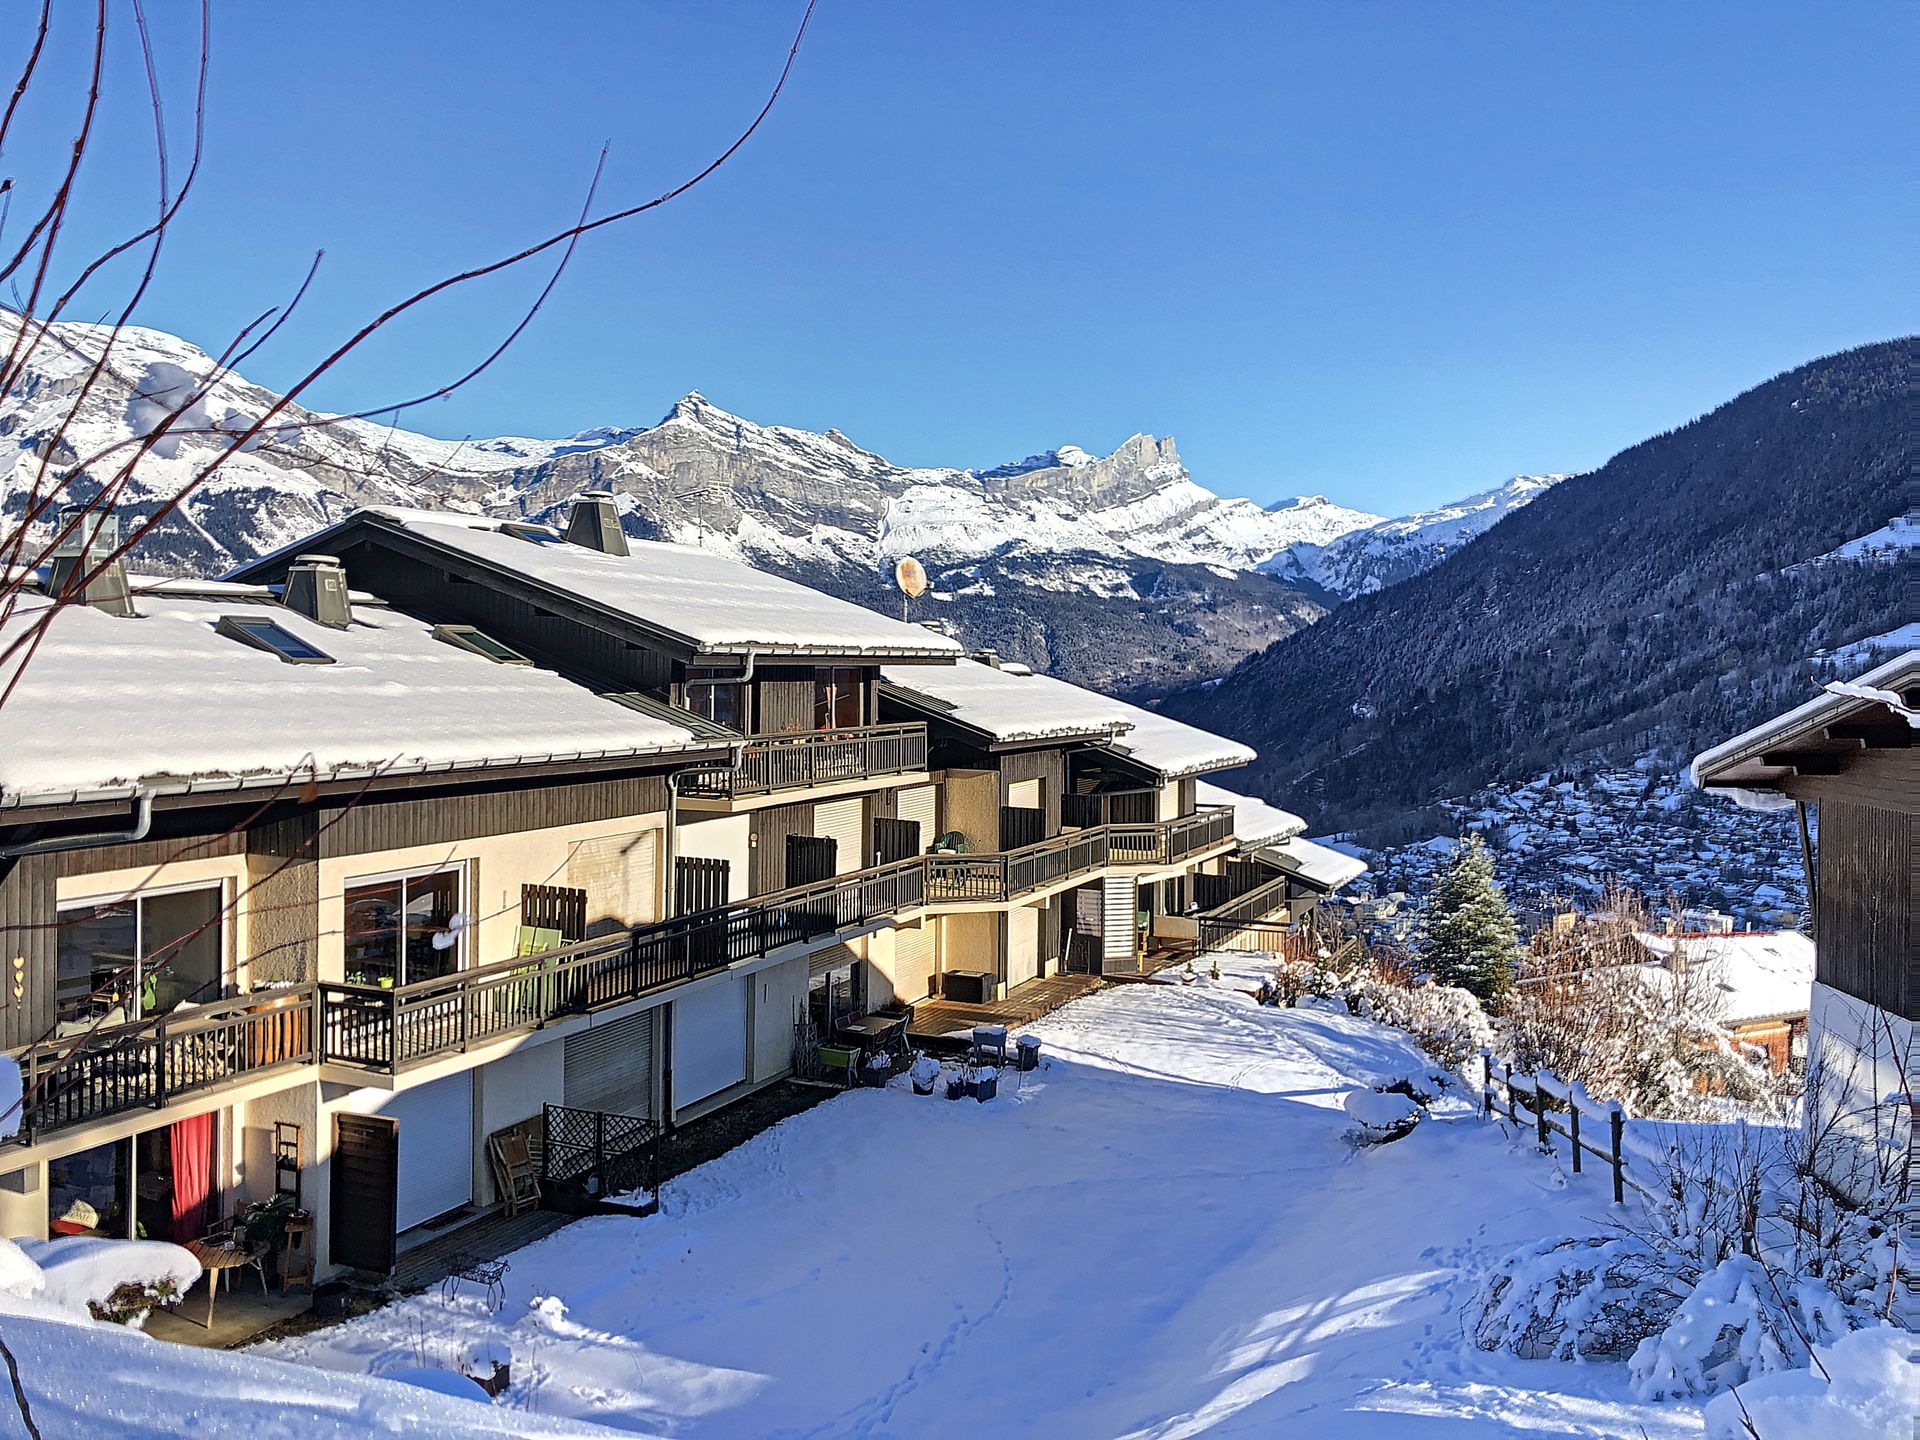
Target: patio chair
536,940
514,1171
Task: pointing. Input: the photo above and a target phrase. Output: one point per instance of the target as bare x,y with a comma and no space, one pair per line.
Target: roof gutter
142,823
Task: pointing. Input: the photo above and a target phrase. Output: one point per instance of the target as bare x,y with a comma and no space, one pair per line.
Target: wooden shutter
365,1183
895,840
1020,826
699,883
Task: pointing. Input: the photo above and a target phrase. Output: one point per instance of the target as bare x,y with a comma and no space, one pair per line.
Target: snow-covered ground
1164,1232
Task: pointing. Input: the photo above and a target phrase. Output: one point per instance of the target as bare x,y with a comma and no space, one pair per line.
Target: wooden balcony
1010,874
150,1064
777,764
95,1075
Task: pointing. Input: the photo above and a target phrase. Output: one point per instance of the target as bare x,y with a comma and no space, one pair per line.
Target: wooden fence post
1617,1124
1540,1111
1486,1084
1573,1126
1507,1071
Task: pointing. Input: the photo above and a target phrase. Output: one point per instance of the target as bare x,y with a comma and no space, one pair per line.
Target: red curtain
192,1141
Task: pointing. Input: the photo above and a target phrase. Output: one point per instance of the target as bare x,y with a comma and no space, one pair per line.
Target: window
835,997
481,643
724,703
837,699
400,928
267,635
117,960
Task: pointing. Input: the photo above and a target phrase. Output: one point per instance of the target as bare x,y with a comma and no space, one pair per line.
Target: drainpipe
742,678
142,823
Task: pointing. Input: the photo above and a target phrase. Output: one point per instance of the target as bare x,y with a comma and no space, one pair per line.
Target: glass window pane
87,1192
430,903
181,939
373,933
94,965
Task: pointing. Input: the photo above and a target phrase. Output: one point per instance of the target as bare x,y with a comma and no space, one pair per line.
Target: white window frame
462,872
229,975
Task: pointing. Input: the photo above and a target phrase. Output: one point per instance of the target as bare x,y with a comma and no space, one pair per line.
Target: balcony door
144,954
400,928
839,699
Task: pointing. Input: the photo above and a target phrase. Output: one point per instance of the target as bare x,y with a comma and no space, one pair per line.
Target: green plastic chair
843,1058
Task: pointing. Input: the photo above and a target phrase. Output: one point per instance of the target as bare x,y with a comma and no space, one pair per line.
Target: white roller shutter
1023,945
916,804
1024,794
610,1067
842,821
1118,906
436,1148
710,1040
912,961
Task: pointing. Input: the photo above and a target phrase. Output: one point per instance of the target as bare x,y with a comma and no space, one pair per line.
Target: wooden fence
1553,1108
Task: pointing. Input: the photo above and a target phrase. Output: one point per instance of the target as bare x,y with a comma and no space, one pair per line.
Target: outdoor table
873,1031
216,1258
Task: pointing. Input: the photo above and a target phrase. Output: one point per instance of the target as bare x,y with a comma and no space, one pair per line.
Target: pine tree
1470,931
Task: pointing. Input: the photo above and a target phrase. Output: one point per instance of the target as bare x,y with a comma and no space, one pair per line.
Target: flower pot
957,1087
986,1085
1027,1050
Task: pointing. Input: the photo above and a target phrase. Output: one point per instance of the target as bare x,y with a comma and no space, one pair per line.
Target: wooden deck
1024,1004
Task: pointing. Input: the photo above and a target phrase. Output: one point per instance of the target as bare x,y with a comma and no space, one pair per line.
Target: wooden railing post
1617,1126
393,1031
160,1064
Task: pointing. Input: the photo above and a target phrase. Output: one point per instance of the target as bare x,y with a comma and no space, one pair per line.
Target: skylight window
270,636
469,638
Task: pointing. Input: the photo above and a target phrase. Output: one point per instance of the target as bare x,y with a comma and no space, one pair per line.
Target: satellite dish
911,576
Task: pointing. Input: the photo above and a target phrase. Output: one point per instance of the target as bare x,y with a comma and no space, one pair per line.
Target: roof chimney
595,524
90,537
988,657
316,586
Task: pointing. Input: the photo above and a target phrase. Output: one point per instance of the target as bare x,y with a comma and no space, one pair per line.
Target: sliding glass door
118,960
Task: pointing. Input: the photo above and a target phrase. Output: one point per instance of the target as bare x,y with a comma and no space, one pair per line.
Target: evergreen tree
1470,931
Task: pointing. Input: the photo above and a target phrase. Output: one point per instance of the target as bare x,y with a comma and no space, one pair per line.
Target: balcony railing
76,1079
152,1063
958,879
770,764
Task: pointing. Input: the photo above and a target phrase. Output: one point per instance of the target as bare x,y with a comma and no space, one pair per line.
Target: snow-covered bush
1870,1390
1589,1298
1729,1329
118,1280
1423,1086
1448,1022
19,1274
1382,1116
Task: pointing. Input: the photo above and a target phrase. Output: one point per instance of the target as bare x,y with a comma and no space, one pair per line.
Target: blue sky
1391,253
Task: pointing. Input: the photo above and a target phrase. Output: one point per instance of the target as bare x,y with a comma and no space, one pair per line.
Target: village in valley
700,930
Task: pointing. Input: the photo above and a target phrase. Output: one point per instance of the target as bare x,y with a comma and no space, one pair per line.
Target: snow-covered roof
1255,822
1320,866
1738,763
712,604
1750,976
1010,705
163,701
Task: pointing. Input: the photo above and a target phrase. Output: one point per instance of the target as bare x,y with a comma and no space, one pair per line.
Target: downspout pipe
142,823
742,678
735,752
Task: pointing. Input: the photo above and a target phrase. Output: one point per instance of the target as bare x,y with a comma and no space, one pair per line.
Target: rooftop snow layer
1832,705
714,603
1008,705
1255,822
106,704
1320,866
1750,976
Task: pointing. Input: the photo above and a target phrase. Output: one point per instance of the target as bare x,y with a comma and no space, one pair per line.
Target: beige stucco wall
724,837
500,865
508,1091
971,805
969,941
1166,801
773,995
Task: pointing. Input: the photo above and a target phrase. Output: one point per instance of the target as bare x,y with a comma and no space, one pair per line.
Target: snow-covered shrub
1589,1298
1448,1022
19,1275
1730,1328
1423,1086
1870,1391
118,1280
1382,1115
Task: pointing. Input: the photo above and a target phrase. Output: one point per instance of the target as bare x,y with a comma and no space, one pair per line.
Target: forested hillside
1664,601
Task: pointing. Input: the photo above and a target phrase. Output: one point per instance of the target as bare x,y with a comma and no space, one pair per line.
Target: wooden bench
516,1153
